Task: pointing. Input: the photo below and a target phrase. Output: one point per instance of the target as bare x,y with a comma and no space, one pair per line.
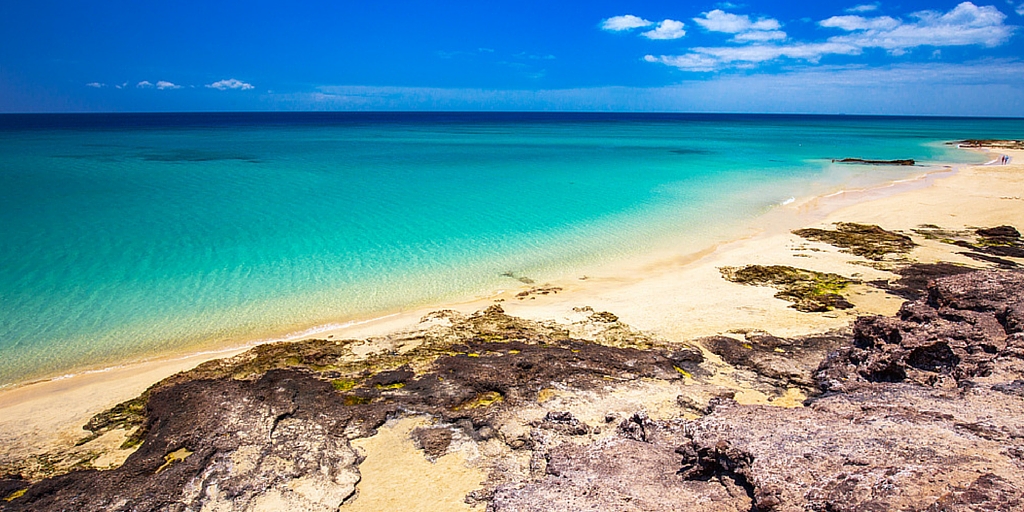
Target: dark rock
433,441
954,334
989,143
280,413
866,240
565,423
1012,388
887,447
913,281
1004,232
637,427
392,378
987,492
788,361
1000,262
223,443
619,474
908,161
809,291
10,485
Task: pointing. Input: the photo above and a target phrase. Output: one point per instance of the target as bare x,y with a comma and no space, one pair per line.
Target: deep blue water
134,235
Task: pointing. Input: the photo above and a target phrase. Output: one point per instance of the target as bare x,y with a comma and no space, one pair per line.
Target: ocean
127,236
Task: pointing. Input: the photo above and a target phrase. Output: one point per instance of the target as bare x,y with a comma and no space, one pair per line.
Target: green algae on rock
865,240
809,291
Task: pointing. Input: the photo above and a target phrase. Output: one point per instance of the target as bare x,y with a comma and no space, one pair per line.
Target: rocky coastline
923,410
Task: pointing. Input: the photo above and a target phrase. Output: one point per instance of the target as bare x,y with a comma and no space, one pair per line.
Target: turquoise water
131,236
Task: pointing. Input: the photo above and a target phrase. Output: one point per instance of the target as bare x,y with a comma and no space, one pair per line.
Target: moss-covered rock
809,291
865,240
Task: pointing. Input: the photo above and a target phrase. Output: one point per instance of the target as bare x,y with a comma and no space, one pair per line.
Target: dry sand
678,295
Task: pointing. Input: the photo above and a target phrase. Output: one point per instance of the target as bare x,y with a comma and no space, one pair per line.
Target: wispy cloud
863,8
164,85
96,85
977,88
667,29
230,84
627,22
1020,9
145,84
964,25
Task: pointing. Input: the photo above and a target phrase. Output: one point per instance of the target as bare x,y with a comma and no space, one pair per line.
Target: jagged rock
956,333
565,423
914,278
637,427
788,361
886,447
226,445
272,425
433,441
620,473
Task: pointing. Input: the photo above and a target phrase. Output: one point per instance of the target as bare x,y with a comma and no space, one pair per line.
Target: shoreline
625,288
807,205
370,325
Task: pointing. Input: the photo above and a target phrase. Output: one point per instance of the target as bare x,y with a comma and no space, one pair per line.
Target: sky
896,58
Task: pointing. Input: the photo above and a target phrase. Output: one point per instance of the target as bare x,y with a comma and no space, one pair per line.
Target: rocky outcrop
965,325
271,428
865,240
884,447
224,444
809,291
989,143
921,411
787,361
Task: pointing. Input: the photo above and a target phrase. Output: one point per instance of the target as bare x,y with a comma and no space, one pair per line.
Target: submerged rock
908,161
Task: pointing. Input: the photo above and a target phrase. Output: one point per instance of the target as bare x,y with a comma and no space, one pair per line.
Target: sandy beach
677,296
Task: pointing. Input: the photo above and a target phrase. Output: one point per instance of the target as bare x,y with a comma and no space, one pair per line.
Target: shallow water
138,235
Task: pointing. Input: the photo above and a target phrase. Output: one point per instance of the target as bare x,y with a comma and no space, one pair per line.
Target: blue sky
909,57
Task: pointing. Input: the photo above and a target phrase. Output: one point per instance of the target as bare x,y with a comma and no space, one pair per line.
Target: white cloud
966,24
163,84
745,30
122,86
95,85
721,21
230,83
667,29
1020,9
145,84
851,23
863,8
627,22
